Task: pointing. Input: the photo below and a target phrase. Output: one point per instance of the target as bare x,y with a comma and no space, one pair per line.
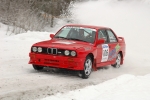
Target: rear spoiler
121,39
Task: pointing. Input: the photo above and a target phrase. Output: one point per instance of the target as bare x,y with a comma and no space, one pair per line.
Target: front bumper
57,61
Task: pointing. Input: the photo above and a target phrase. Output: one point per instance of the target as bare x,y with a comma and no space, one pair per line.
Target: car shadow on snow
103,68
64,72
57,72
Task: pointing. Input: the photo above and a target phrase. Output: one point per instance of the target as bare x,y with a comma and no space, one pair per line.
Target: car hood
63,44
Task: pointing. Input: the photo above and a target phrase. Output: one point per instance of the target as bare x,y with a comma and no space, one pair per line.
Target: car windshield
77,33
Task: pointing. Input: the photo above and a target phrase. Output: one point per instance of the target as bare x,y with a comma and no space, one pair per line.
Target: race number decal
105,52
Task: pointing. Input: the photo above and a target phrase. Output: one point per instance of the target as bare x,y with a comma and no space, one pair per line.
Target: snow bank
124,87
3,31
18,46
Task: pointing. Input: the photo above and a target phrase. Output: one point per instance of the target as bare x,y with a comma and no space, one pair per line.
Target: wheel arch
91,56
84,72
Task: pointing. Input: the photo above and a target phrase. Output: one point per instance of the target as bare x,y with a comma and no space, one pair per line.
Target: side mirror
51,36
100,41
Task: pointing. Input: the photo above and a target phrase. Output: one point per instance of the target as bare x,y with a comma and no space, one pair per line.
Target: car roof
88,26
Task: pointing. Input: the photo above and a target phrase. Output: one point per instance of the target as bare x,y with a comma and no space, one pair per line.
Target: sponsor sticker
113,53
105,52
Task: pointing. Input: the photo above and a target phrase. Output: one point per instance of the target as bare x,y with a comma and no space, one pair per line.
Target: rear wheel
118,61
37,67
87,68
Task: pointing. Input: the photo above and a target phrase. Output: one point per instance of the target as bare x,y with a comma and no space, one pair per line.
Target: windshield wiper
60,37
76,39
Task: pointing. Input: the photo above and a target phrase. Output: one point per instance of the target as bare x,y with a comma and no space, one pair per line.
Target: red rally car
79,47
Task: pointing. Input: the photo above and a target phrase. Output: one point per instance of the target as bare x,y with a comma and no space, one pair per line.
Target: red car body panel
83,49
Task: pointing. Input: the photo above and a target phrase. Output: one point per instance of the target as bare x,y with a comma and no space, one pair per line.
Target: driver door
106,52
103,50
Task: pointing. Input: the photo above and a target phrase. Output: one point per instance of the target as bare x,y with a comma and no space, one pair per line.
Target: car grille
54,51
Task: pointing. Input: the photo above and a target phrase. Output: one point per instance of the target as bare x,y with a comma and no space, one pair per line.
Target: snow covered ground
124,87
130,19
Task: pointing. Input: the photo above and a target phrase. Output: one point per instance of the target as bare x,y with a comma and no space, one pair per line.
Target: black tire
37,67
87,68
118,61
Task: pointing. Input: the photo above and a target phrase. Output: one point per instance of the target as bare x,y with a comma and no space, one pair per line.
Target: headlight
34,49
39,49
73,53
66,52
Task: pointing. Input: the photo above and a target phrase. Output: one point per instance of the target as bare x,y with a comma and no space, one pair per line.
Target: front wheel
37,67
87,68
118,61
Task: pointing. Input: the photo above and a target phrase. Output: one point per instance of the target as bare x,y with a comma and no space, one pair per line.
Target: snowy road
18,80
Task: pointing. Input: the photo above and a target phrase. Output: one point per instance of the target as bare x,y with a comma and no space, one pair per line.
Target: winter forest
33,15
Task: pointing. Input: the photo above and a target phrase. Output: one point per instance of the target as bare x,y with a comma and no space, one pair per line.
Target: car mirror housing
51,36
100,41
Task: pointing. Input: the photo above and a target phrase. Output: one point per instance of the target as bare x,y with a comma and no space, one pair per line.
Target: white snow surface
129,19
124,87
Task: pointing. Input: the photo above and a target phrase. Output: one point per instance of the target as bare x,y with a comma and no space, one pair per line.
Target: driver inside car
81,34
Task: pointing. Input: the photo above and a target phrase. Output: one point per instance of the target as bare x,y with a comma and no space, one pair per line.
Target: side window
111,36
103,34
